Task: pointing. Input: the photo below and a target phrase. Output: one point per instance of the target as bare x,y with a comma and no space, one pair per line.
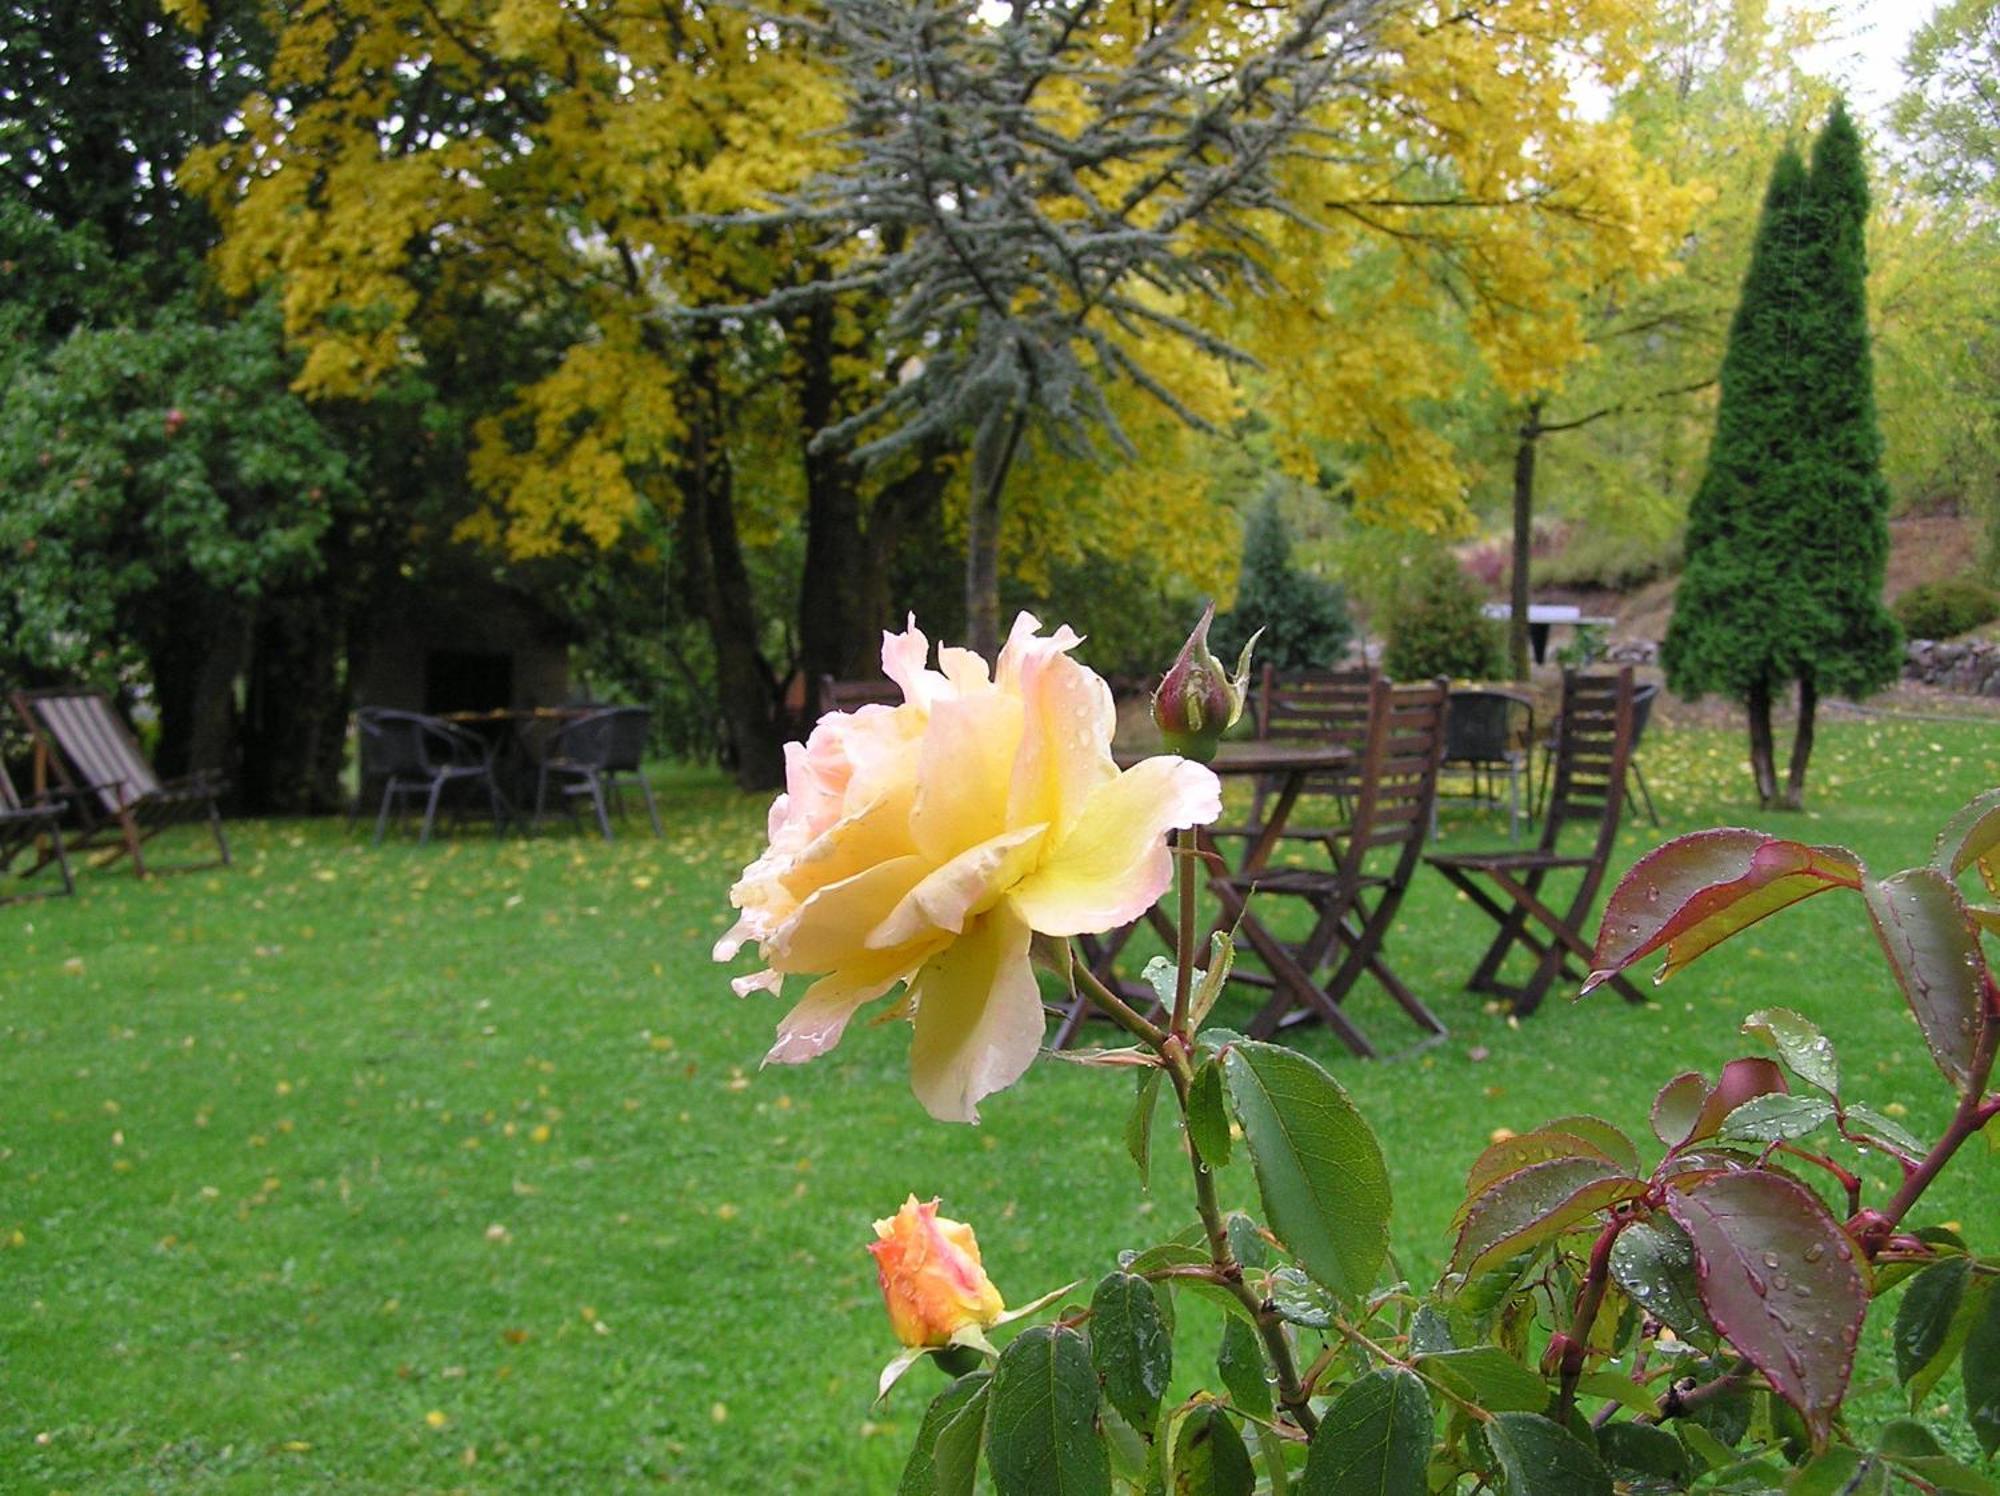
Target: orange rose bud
932,1283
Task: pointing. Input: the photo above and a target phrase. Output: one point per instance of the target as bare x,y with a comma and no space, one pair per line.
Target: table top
1546,613
522,714
1257,756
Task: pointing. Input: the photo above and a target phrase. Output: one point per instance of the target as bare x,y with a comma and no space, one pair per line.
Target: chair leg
652,810
541,793
382,817
596,784
1514,803
430,812
1639,778
221,837
494,800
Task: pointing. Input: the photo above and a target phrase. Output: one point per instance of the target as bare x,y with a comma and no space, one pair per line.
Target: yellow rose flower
924,843
932,1282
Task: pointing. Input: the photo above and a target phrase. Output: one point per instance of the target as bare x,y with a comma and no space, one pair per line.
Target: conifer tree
1303,618
1787,534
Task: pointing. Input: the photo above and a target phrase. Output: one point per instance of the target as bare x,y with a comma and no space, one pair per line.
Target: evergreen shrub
1940,610
1436,626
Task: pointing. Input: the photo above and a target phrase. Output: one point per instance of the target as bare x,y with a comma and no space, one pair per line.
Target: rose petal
970,883
1114,864
816,1022
830,927
979,1016
968,758
1065,751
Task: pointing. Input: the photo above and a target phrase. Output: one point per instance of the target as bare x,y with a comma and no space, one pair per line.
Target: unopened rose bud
932,1282
1199,700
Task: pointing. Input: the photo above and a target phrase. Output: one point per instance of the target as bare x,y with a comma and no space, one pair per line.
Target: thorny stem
1974,1111
1118,1010
1851,1183
1587,1305
1184,843
1292,1394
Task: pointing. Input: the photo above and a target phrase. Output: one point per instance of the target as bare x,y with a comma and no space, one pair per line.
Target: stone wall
1968,665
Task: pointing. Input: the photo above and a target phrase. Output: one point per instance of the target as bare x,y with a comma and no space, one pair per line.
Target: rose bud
176,418
932,1282
1198,700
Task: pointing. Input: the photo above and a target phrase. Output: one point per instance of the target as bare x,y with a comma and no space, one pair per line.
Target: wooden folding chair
83,746
1593,755
31,826
1393,789
1311,706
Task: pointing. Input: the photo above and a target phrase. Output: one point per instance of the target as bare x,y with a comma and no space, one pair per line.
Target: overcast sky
1866,52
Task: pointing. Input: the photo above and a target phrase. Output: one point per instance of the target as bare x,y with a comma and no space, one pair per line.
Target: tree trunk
1802,743
295,709
993,448
836,626
195,659
749,695
1524,537
1763,761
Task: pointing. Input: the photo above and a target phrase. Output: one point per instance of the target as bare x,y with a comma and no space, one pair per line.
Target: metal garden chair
413,756
593,756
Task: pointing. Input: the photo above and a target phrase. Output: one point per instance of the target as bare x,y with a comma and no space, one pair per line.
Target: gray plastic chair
1488,731
593,756
414,756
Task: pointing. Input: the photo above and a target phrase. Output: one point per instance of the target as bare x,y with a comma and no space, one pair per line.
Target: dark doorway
462,680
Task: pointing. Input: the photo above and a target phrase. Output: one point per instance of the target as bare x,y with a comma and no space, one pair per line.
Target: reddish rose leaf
1678,1107
1934,950
1512,1154
1698,890
1533,1204
1742,1080
1778,1278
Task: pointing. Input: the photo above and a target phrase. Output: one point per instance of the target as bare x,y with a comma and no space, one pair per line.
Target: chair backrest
88,745
1395,782
1484,726
1593,751
1643,698
613,739
846,695
397,742
10,799
1315,706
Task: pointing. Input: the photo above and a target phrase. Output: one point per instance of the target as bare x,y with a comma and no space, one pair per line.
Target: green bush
1616,560
1304,617
1436,626
1938,610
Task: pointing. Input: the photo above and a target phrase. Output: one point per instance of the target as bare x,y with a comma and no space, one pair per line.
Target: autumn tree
1787,535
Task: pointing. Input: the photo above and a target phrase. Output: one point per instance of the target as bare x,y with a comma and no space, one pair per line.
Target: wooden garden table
1292,764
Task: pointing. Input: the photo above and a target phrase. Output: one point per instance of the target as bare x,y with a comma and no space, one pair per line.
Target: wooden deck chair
31,827
1394,788
1316,706
85,748
1593,755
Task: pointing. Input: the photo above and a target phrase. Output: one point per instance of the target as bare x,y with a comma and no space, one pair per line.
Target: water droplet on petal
1781,1281
1816,1251
1770,1259
1802,1290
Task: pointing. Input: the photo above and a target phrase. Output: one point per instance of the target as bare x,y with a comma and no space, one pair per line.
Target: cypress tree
1787,534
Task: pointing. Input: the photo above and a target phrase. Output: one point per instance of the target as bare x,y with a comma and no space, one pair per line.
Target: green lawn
411,1169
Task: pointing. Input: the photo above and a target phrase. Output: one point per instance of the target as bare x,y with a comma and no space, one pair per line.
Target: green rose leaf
1240,1360
1653,1261
1041,1424
1130,1346
940,1467
1540,1458
1209,1456
1980,1364
1207,1116
1804,1049
1925,1315
1776,1117
1319,1168
1374,1441
1934,950
1139,1125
